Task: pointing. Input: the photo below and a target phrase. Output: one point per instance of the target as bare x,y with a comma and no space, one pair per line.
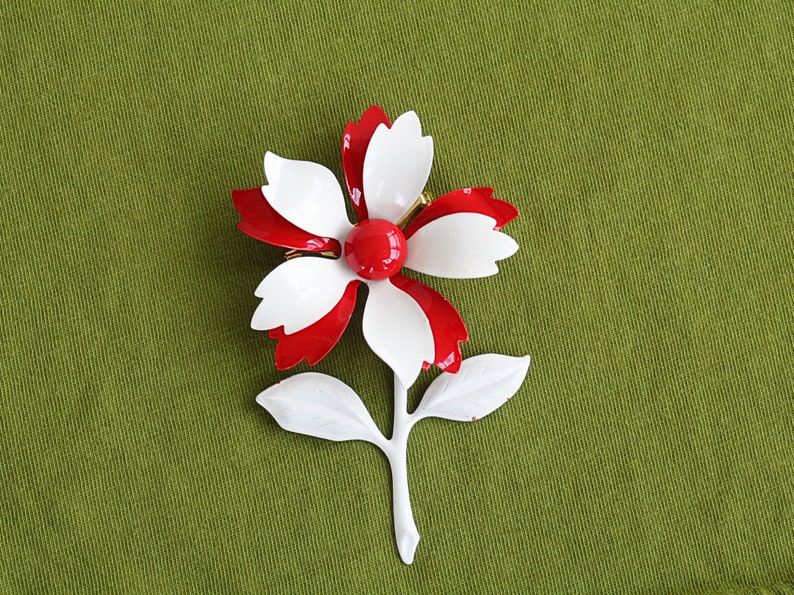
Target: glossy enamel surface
354,148
397,330
300,292
446,323
396,167
307,302
307,195
459,246
467,200
315,341
375,249
262,222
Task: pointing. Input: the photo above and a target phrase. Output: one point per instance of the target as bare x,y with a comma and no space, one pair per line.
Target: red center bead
375,249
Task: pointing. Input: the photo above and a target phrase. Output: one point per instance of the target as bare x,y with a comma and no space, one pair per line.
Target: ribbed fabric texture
648,146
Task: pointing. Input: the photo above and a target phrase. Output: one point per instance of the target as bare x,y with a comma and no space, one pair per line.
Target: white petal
307,195
300,292
459,246
396,167
397,330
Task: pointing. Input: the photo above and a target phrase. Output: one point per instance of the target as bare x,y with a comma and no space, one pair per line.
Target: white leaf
483,383
322,406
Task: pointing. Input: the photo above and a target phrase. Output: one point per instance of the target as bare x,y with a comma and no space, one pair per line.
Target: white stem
397,452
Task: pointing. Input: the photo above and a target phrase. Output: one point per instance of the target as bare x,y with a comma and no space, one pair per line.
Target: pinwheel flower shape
307,301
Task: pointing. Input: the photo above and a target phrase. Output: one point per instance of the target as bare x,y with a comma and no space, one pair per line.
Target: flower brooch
308,300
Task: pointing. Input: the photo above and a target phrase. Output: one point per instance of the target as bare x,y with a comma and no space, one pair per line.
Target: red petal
262,222
354,148
445,322
315,341
468,200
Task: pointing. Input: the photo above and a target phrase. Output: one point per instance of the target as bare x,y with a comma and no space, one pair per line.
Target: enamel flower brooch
308,300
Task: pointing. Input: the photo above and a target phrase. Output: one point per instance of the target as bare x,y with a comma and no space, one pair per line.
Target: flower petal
459,246
300,292
307,195
396,167
467,200
315,341
397,330
445,322
262,222
354,148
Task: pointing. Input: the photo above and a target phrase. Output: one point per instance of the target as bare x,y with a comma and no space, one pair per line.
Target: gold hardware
424,199
420,203
290,254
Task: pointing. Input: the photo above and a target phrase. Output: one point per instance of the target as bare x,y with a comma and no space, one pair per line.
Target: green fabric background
648,147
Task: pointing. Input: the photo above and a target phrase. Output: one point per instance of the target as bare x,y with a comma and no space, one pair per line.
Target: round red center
375,249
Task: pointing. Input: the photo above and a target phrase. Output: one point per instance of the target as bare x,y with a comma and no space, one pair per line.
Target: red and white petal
262,222
459,246
445,322
300,292
396,167
467,200
397,330
354,148
307,195
315,341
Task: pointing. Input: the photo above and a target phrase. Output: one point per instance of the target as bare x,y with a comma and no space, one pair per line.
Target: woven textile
648,146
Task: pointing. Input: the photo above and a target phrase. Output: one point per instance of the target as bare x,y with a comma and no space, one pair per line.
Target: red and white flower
307,302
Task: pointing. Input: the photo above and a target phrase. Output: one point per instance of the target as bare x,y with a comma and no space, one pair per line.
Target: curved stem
405,531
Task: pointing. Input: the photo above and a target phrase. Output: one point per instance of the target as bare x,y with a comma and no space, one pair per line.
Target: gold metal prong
290,254
420,203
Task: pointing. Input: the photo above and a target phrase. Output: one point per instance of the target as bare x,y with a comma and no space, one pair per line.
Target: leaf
322,406
483,383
